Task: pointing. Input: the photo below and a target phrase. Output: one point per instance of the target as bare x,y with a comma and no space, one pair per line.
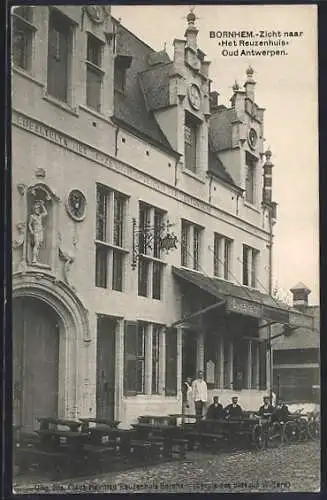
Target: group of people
195,397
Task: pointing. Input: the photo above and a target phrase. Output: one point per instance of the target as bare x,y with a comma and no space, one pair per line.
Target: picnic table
167,434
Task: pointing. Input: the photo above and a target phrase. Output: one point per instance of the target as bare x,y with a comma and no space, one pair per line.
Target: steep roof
220,128
130,107
217,168
302,338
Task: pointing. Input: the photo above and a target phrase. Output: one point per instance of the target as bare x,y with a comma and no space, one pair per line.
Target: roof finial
191,17
250,72
268,154
236,86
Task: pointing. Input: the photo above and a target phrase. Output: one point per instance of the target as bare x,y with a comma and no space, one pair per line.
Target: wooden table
170,435
51,423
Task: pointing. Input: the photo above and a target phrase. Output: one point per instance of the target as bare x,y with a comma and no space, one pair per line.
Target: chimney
300,294
213,101
249,84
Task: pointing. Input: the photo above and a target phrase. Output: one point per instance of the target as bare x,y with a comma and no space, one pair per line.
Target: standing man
200,394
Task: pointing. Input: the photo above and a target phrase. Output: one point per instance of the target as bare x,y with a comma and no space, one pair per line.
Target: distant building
296,358
117,149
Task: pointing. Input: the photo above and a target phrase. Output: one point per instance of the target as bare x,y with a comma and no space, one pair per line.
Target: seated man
215,410
233,410
267,409
282,412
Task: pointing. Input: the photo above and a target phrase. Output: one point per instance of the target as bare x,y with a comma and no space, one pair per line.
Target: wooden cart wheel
314,428
258,439
274,435
290,432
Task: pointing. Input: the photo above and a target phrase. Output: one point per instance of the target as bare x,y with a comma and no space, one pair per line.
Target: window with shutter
130,355
171,362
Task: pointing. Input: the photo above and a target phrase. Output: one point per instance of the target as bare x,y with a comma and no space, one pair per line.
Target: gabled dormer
236,135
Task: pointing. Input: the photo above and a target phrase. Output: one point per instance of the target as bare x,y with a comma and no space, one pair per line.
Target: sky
287,87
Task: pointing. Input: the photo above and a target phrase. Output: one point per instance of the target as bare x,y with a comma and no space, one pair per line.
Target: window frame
67,29
150,254
94,68
193,124
105,238
28,28
222,256
250,178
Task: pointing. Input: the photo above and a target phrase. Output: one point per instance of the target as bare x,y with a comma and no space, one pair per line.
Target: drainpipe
270,287
116,140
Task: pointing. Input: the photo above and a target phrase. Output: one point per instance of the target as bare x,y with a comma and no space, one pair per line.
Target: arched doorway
35,361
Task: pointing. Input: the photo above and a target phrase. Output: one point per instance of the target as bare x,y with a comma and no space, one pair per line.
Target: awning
243,300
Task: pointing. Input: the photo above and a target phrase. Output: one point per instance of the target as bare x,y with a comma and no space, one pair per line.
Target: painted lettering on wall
91,153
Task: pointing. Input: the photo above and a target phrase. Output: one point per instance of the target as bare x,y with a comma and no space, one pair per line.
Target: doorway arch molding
74,330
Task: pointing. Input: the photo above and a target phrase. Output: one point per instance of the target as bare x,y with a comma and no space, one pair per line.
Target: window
250,178
222,256
122,63
59,56
150,267
155,358
120,78
142,362
190,141
185,243
250,258
94,73
191,245
23,32
110,254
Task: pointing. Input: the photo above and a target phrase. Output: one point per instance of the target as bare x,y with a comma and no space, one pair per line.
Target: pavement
291,468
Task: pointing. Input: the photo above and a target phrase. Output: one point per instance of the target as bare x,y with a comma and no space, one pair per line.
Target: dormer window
191,132
122,63
250,171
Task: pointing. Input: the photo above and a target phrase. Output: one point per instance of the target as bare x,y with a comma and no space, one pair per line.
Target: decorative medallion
252,138
76,205
96,13
194,95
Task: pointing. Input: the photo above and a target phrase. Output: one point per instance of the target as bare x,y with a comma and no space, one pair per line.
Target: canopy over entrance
243,300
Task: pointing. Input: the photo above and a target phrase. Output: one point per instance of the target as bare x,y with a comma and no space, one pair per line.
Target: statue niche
40,225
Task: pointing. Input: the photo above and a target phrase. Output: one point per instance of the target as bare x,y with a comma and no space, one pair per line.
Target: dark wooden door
35,362
189,354
105,390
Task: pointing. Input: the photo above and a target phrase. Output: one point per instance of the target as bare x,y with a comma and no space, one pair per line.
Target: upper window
23,31
122,63
59,56
94,73
150,270
250,264
222,256
110,226
250,178
191,235
191,128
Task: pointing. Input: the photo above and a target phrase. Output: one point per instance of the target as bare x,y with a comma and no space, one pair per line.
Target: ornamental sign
274,314
241,306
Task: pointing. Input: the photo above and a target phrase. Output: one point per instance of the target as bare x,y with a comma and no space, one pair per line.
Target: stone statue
35,226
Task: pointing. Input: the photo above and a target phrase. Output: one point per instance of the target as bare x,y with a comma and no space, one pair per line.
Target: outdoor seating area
68,448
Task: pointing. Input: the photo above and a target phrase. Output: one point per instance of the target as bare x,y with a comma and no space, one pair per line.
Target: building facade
142,223
296,359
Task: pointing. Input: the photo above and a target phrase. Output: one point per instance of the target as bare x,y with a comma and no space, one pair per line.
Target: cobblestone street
290,468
